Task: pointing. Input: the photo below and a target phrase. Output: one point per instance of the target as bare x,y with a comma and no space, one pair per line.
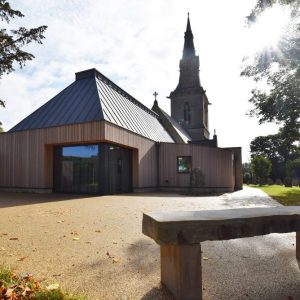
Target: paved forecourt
95,245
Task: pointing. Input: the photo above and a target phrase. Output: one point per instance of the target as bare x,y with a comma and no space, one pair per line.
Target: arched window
187,113
206,114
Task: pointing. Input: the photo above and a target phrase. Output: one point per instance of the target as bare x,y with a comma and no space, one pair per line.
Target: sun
269,28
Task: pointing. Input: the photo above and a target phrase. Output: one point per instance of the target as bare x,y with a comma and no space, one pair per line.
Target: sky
138,45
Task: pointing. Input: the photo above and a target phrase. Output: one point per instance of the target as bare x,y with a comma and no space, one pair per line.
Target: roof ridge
110,83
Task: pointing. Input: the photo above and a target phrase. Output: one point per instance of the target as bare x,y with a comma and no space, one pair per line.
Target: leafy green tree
247,173
280,68
293,168
278,149
12,41
261,167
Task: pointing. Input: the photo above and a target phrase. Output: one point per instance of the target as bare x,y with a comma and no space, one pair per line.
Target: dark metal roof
93,97
179,129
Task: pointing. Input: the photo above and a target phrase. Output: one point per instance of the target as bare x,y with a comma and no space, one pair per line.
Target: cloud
137,44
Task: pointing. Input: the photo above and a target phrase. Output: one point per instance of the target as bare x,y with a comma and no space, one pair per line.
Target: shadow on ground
9,199
160,293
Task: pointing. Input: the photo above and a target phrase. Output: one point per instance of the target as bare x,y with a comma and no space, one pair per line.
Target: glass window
79,168
184,164
80,151
92,169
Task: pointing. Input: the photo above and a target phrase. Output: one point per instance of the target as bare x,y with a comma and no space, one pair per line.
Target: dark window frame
190,164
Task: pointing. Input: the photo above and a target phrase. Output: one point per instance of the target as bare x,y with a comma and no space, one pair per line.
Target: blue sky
138,44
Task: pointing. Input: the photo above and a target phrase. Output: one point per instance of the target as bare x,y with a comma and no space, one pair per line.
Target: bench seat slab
181,271
193,227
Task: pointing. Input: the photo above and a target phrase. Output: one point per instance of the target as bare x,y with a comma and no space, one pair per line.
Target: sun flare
269,28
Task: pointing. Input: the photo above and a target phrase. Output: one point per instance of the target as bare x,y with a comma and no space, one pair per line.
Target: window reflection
79,168
92,169
81,151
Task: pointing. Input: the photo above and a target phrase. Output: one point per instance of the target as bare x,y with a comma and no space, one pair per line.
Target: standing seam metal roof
93,97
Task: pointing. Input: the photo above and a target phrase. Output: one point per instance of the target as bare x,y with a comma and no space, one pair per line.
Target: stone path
94,245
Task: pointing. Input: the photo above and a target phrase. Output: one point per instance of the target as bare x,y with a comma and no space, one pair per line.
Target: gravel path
94,245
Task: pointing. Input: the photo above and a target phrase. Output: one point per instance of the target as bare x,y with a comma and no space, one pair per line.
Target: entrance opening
93,169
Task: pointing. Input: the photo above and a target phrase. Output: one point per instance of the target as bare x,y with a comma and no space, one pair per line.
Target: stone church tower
189,103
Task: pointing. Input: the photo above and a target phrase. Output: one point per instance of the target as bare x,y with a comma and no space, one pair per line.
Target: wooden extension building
93,137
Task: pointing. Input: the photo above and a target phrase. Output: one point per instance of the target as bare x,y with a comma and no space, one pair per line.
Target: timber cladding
215,163
26,157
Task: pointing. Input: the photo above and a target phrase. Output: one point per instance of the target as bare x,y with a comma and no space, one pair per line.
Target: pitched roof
93,97
175,130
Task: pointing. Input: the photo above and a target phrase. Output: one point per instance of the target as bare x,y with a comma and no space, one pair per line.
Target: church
95,138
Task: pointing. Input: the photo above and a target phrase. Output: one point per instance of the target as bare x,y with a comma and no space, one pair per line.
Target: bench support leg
298,244
181,270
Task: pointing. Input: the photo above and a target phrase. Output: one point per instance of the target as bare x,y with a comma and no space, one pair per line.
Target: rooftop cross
155,95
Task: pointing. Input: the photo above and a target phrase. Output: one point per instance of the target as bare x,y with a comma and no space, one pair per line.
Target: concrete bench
179,235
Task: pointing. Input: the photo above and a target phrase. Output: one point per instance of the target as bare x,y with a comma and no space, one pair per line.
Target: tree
278,149
280,67
293,168
261,167
247,173
12,41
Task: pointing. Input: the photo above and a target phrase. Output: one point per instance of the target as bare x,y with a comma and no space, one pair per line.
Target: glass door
76,169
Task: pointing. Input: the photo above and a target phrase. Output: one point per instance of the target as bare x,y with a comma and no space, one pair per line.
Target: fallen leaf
14,239
21,258
114,242
26,291
51,287
10,293
109,255
99,231
115,260
76,238
56,275
205,258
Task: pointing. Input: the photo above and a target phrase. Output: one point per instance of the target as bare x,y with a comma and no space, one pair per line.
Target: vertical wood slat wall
215,163
26,157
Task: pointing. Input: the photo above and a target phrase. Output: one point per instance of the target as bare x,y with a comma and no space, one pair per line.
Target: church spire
188,48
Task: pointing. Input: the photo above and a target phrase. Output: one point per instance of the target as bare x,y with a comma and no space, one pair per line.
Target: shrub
278,181
197,178
270,181
247,178
288,182
261,167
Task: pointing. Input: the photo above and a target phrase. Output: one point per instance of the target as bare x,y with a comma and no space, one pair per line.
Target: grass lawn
284,195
